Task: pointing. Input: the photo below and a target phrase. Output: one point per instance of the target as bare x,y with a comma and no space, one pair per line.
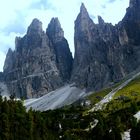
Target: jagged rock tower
41,62
104,53
63,56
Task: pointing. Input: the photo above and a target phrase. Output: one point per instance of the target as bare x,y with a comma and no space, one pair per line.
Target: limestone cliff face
131,22
64,58
31,69
91,68
105,53
1,76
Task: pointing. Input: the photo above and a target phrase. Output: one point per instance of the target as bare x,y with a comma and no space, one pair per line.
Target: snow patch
137,115
126,135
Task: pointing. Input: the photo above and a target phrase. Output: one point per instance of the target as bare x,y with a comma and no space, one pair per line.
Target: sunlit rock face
34,67
104,53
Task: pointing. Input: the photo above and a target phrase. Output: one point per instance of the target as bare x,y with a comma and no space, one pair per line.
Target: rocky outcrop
32,69
91,61
64,58
131,22
1,76
104,53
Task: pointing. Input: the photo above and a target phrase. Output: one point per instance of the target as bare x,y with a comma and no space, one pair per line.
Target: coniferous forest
68,123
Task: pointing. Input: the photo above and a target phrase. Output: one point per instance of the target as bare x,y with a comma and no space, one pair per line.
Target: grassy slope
132,90
97,96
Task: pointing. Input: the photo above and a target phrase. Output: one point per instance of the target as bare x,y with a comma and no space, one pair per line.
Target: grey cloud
111,1
11,29
42,3
16,26
103,6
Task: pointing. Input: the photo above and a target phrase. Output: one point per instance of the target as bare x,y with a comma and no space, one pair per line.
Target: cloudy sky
16,15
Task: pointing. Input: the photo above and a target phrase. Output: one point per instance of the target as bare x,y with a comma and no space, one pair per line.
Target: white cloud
16,16
8,41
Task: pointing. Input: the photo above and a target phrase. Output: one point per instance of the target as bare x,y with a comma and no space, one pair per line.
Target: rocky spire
17,42
83,15
83,11
131,22
1,77
83,22
54,30
9,60
103,53
132,13
61,47
35,27
100,20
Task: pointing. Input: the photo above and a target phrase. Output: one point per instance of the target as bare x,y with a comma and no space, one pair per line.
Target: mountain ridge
36,66
104,54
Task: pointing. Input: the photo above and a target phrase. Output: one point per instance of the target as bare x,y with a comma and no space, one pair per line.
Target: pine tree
135,132
5,128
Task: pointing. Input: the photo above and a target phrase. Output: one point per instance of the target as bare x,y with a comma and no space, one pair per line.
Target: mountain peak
83,16
10,51
35,27
8,60
83,10
100,20
54,30
55,22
